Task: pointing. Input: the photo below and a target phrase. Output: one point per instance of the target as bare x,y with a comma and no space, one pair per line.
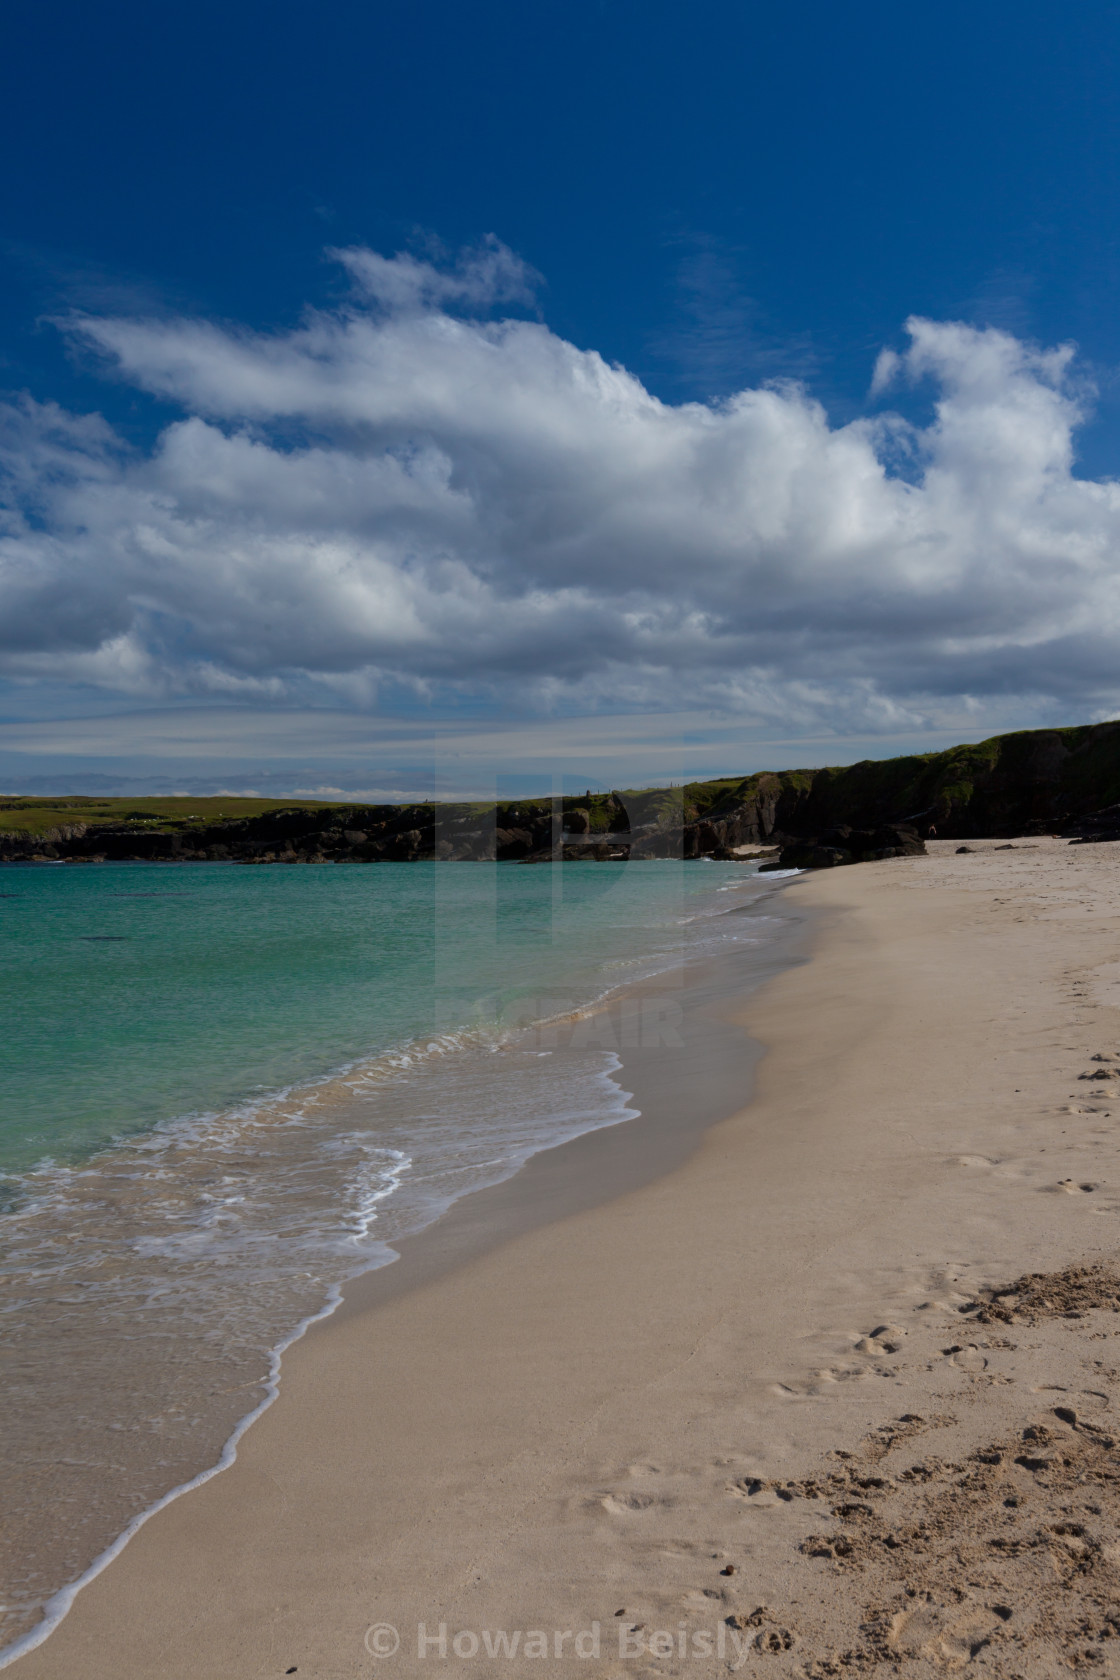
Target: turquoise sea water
132,994
226,1090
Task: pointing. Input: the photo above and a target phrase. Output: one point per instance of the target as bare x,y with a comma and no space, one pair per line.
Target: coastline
634,1011
563,1411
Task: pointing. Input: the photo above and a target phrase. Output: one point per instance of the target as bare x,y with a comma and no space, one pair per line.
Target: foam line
613,1112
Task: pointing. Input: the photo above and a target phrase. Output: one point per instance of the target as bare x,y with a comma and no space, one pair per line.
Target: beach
696,1392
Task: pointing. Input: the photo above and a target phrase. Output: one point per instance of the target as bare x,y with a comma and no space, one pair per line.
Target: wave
154,1287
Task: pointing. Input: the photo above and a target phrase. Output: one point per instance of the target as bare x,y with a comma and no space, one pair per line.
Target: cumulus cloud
405,493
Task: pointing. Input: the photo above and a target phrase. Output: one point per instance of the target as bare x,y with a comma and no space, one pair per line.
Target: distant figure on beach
932,835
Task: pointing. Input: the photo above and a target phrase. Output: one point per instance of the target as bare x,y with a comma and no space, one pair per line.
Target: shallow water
226,1090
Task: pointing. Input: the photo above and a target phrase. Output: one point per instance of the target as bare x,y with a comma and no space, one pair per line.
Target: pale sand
588,1417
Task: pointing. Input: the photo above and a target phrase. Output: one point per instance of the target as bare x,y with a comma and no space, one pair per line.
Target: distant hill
1032,781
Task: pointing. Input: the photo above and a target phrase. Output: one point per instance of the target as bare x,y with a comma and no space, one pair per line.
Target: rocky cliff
1035,781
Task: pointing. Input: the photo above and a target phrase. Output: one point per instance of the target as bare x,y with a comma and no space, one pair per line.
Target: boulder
844,844
806,854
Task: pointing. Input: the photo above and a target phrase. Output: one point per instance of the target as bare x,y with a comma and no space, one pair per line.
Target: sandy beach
738,1386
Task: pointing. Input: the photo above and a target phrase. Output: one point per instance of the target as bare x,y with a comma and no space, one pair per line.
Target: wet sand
715,1387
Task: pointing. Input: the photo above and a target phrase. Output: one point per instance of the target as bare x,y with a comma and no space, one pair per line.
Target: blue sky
291,507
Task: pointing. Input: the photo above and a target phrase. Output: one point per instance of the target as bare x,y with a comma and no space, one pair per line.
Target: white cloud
400,494
482,277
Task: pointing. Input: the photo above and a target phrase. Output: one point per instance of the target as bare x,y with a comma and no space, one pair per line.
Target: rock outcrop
850,845
1097,826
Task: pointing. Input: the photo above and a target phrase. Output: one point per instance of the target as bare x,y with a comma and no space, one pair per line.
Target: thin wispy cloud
718,341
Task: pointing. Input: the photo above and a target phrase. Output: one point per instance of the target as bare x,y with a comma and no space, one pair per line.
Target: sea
225,1090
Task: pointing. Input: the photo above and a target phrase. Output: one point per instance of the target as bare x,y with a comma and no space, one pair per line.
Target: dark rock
655,842
807,855
1097,825
887,840
844,845
513,843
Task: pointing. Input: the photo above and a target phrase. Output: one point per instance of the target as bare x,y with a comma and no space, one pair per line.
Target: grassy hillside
40,816
1018,783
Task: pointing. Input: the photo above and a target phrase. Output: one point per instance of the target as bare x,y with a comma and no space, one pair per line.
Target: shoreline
551,1181
593,1411
611,1160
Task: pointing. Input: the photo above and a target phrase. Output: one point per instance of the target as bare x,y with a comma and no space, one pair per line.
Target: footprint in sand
827,1377
939,1631
847,1373
702,1599
1088,1399
629,1504
1001,1166
756,1493
1071,1187
968,1359
885,1338
775,1640
771,1637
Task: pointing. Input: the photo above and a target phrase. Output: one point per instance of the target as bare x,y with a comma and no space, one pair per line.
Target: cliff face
1044,780
301,834
1011,784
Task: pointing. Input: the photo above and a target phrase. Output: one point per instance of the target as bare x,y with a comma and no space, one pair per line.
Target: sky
412,398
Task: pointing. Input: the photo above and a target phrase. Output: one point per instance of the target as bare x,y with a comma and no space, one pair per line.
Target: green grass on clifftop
1029,776
38,816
